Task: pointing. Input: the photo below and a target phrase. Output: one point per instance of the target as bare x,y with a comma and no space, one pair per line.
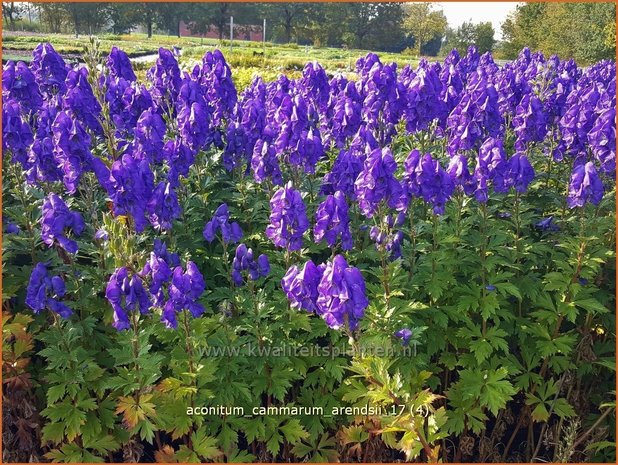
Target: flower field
415,264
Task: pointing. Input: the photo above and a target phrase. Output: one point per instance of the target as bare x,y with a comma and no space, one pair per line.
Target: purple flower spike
424,177
56,220
377,182
184,291
342,299
44,291
585,186
230,232
244,262
301,286
404,334
163,207
333,222
288,219
126,294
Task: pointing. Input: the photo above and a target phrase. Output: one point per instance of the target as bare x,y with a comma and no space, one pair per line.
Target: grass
245,58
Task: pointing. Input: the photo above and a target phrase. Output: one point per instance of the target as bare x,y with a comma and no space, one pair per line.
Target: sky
458,12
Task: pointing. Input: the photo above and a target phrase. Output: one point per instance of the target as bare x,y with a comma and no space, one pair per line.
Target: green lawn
245,58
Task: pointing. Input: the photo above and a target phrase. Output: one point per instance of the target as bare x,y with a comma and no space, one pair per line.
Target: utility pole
231,33
264,38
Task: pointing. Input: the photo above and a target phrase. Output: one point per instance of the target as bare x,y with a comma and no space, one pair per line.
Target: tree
424,23
170,14
464,36
583,31
205,15
358,25
480,35
484,37
86,17
286,18
147,12
123,16
52,16
11,12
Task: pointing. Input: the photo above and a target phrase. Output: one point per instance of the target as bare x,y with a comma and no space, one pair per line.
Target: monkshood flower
384,100
129,185
238,146
163,206
216,79
194,126
453,82
160,273
220,222
491,166
265,164
101,235
119,65
332,222
344,172
44,291
16,133
126,294
471,61
425,178
580,117
342,298
377,182
159,268
9,226
72,149
585,186
404,334
530,121
184,291
314,85
301,286
149,133
460,174
19,84
127,102
42,163
344,119
288,219
366,63
547,224
363,142
602,139
385,241
244,261
179,158
56,220
165,78
307,151
475,115
80,99
519,173
49,69
423,102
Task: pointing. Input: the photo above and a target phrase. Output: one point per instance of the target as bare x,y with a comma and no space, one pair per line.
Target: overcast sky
496,12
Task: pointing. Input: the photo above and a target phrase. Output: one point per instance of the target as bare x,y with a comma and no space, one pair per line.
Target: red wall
241,32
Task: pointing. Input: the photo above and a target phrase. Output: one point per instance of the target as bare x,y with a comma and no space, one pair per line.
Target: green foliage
583,31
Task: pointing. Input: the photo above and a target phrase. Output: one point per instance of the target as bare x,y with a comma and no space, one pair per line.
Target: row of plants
443,234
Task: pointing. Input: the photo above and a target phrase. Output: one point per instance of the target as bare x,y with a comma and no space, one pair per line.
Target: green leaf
205,446
53,432
592,305
293,431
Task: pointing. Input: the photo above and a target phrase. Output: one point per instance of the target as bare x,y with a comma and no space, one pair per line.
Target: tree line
420,27
584,31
